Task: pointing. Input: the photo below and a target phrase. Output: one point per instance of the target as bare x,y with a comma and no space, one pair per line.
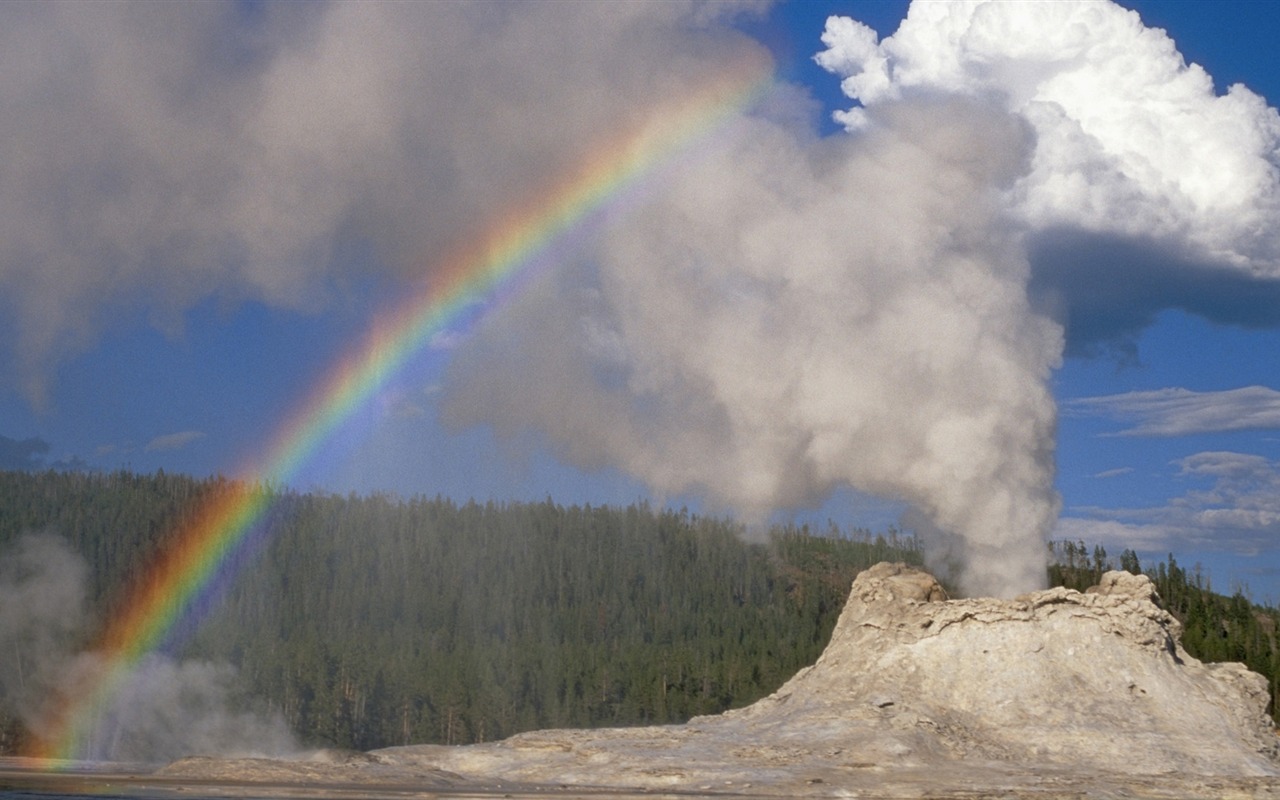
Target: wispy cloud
1179,412
1233,505
1114,473
173,441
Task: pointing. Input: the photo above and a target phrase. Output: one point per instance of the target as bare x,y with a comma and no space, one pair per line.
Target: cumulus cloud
1147,189
1181,412
32,454
22,454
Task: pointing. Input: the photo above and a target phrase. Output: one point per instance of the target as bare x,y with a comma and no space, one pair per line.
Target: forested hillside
372,621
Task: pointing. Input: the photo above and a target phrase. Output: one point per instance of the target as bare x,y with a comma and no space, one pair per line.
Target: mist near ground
164,709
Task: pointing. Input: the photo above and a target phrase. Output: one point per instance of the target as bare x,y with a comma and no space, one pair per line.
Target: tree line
371,621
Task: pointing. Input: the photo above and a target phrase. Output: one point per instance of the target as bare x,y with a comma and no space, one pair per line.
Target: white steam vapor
884,311
788,318
171,709
42,585
156,156
165,710
781,316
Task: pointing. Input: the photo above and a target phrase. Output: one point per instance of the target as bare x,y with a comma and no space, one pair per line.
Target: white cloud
401,407
1114,473
1147,189
1122,122
1181,412
447,340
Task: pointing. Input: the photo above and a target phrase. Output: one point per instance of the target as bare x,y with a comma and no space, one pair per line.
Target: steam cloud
883,312
791,316
155,157
41,611
167,709
782,315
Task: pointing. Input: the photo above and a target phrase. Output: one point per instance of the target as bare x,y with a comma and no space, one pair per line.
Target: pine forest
371,621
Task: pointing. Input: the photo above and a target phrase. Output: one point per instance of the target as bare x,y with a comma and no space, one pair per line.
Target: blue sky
190,366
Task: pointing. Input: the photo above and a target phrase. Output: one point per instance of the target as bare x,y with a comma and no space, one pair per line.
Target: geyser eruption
790,316
776,316
883,309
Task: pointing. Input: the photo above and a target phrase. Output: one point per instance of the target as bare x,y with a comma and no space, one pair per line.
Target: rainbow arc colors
204,547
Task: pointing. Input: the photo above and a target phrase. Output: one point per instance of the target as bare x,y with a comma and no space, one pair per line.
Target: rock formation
1055,677
1055,693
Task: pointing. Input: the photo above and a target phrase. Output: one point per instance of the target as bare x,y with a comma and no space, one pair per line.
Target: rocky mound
1052,693
1054,677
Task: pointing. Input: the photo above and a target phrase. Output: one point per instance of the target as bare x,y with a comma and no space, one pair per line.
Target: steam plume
154,157
781,316
41,611
790,315
167,708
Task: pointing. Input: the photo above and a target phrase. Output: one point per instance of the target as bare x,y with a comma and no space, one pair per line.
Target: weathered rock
1055,693
1053,677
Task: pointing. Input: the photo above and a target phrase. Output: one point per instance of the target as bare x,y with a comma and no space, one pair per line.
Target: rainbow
204,548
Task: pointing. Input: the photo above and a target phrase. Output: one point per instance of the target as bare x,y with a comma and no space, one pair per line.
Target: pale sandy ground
254,779
248,778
